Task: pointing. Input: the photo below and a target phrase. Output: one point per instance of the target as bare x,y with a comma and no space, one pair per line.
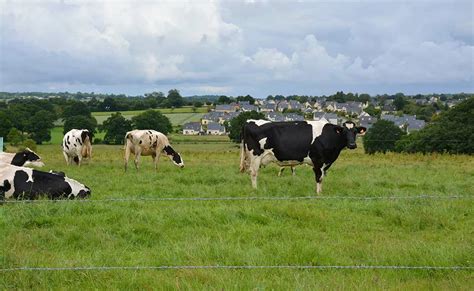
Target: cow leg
66,157
156,159
137,159
254,166
79,160
319,179
292,171
281,171
127,156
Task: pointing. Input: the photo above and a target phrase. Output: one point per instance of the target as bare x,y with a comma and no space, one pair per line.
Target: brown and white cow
152,143
77,146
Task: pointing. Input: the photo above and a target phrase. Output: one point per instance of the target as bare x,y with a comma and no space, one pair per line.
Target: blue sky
237,48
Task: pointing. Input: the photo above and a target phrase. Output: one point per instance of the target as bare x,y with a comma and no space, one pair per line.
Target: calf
77,146
149,143
26,157
316,143
26,183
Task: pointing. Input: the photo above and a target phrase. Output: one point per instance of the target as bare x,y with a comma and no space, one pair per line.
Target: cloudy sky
237,48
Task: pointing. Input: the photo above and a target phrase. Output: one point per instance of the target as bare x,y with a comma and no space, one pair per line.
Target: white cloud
236,48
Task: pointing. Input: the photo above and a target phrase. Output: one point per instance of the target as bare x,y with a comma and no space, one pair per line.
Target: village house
214,128
192,128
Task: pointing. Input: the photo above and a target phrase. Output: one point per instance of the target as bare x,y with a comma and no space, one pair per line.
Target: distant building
215,128
192,128
293,117
226,108
367,121
406,122
274,116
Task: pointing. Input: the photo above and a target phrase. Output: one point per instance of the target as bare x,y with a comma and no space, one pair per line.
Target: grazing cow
77,145
316,143
26,157
149,143
26,183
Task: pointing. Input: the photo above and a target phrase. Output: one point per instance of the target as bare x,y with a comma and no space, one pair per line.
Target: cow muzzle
352,146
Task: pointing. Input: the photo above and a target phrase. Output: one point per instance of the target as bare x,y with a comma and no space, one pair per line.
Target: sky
236,48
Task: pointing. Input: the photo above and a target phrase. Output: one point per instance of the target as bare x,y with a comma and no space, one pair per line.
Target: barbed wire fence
245,198
240,267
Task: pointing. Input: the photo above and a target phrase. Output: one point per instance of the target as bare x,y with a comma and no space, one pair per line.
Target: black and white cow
26,157
77,145
26,183
152,143
316,143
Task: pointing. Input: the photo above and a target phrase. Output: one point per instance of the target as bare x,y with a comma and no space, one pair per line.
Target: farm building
215,128
192,128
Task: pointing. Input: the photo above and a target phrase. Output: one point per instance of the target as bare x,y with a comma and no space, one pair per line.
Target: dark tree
152,119
452,132
224,100
248,98
174,98
76,108
5,124
236,124
116,126
381,137
40,125
399,102
80,122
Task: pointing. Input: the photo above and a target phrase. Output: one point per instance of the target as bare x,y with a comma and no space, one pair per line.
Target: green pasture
177,116
408,232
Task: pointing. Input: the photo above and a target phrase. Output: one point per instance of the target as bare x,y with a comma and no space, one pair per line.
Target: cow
149,143
77,146
29,184
282,168
316,143
25,157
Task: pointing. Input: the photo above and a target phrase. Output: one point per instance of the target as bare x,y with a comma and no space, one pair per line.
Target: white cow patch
349,125
317,128
262,142
258,122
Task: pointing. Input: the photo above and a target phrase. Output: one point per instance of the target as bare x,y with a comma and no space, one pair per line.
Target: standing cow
26,183
77,145
26,157
149,143
316,143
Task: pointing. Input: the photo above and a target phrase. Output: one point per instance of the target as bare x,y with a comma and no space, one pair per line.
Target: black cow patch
171,152
24,156
54,186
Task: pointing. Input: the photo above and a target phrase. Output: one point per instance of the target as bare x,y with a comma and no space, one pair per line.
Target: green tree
152,119
399,102
224,100
15,137
236,124
451,132
248,98
372,111
5,124
40,125
80,122
175,99
76,108
381,137
115,127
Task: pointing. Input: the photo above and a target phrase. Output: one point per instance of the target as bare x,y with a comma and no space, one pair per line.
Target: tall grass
316,232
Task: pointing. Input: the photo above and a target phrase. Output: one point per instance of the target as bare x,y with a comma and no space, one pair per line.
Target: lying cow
149,143
26,157
316,143
77,146
26,183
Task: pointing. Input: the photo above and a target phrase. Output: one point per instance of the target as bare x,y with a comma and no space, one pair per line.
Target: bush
116,126
28,143
14,137
382,137
152,119
80,122
452,132
98,141
237,123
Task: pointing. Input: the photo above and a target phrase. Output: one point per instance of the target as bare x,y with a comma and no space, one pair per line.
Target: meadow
405,232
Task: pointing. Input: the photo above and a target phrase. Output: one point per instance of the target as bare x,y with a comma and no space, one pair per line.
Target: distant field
177,116
408,232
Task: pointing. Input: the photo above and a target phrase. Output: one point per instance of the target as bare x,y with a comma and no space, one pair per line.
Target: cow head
174,156
349,131
27,157
78,190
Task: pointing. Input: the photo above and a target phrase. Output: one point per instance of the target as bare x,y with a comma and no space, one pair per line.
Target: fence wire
243,198
242,267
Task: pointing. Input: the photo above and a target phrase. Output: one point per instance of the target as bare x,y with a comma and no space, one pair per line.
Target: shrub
28,143
80,122
116,126
237,123
152,119
382,137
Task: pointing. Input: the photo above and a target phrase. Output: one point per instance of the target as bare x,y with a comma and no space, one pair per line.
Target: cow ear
361,130
338,129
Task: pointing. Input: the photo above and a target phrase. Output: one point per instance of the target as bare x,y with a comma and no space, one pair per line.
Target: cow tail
243,155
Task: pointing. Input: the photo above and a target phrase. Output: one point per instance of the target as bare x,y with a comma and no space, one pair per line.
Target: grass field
304,232
177,116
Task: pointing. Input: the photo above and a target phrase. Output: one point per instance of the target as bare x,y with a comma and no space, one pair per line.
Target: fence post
1,144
